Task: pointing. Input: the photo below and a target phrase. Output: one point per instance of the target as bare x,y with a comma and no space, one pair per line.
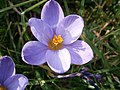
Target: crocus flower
8,79
85,74
57,40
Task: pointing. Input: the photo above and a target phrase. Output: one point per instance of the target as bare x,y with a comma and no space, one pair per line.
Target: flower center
55,43
2,88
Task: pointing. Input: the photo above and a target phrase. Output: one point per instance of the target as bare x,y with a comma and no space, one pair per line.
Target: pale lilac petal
80,52
75,58
16,82
40,30
33,52
59,61
52,13
7,68
70,28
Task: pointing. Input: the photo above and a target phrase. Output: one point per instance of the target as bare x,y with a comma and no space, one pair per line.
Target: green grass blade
34,6
17,5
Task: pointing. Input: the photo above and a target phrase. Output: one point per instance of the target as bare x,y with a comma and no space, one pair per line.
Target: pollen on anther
57,40
55,43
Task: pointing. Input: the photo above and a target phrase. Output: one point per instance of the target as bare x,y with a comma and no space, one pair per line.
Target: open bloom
8,79
57,40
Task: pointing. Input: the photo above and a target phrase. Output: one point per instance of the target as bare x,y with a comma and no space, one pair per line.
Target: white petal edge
33,52
41,30
52,13
16,82
59,61
83,51
70,28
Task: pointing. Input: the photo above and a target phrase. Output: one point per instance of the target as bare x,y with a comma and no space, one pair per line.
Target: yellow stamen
57,40
2,88
55,43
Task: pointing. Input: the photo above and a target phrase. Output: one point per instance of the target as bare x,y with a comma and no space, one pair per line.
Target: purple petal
40,30
70,28
80,52
52,13
75,58
59,61
33,52
16,82
7,68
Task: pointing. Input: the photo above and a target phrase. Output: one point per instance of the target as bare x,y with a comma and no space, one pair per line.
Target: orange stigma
2,88
55,43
